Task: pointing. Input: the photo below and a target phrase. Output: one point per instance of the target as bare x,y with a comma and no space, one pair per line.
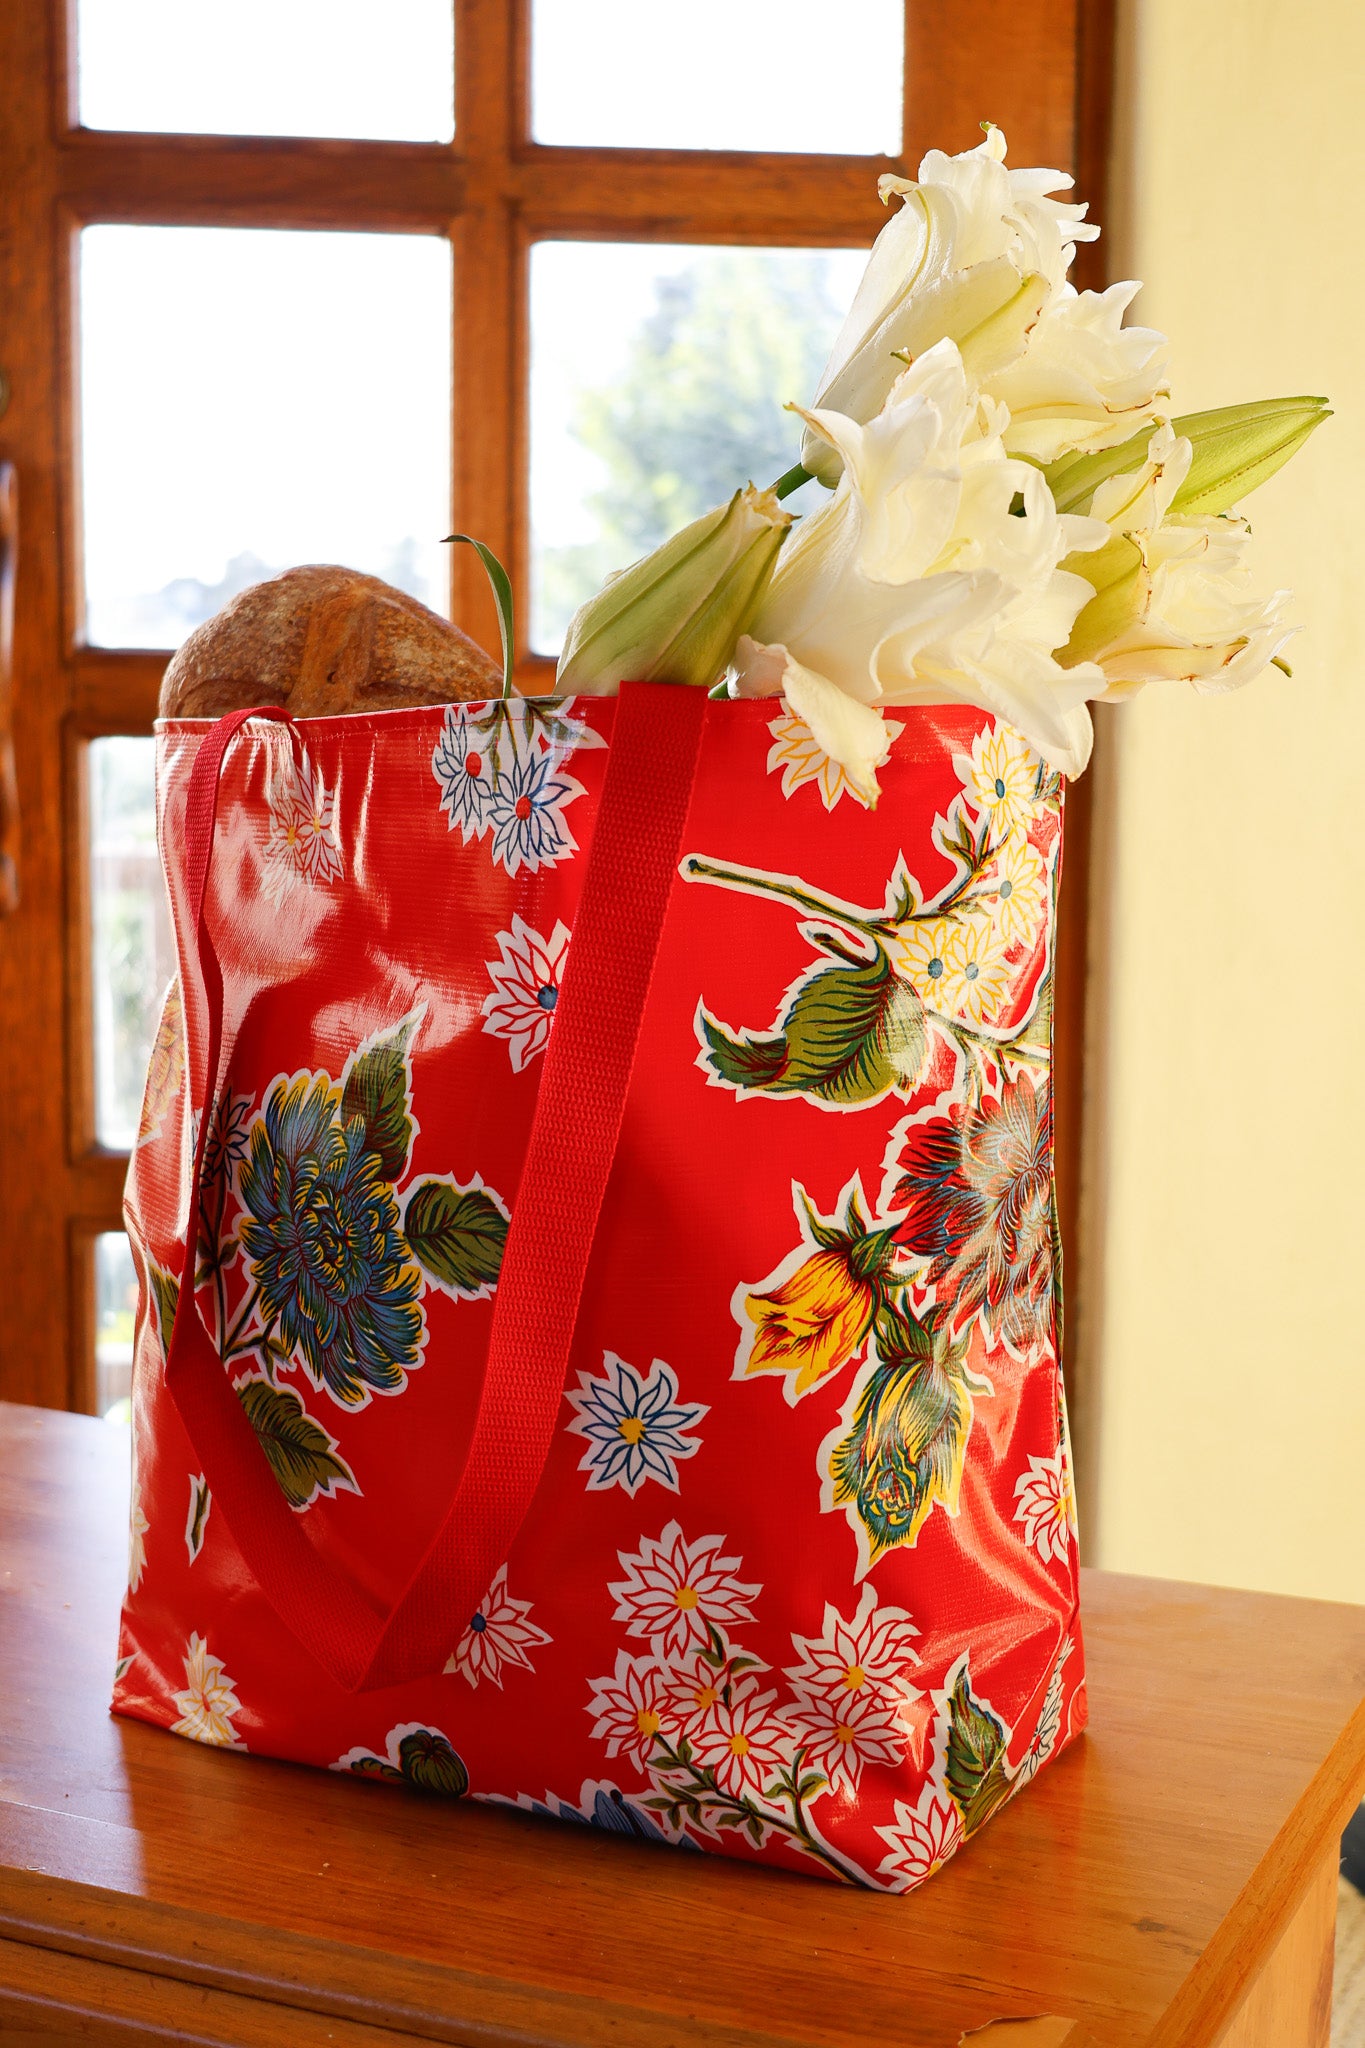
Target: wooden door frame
1041,68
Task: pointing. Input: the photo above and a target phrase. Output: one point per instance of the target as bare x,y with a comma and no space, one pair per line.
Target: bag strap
630,867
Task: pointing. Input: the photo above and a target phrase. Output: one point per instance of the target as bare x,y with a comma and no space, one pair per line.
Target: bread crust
323,640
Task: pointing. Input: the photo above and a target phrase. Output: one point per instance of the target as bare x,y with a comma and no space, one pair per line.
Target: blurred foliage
696,411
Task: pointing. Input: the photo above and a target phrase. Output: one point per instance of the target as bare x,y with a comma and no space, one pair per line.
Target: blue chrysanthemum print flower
463,770
526,810
634,1427
330,1265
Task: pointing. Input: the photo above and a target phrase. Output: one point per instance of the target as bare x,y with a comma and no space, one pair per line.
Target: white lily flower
932,575
1173,597
850,732
1084,381
973,255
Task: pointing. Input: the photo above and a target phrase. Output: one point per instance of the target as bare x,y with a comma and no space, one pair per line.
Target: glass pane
720,74
115,1308
269,67
252,399
132,949
659,374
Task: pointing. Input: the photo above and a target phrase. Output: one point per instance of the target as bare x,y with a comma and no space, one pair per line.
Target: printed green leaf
200,1502
166,1297
847,1036
301,1454
427,1761
748,1062
975,1769
376,1091
457,1234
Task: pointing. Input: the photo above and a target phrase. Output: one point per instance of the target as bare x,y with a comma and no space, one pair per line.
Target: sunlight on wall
1226,1091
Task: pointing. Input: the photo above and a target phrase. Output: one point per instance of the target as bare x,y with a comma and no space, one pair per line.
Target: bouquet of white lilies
1015,521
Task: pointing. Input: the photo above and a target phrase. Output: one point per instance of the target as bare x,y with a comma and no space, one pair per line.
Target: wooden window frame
1039,67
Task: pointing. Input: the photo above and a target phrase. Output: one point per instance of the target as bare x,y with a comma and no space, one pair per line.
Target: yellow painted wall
1223,1289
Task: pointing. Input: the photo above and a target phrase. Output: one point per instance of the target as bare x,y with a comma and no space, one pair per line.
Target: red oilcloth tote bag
598,1332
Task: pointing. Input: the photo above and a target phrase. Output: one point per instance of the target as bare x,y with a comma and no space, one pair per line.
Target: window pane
659,374
252,399
269,67
720,74
115,1308
132,950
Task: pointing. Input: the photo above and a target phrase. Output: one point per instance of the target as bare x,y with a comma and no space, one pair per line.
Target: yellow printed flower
1018,888
955,965
167,1066
1002,778
814,1321
797,752
208,1702
919,954
977,977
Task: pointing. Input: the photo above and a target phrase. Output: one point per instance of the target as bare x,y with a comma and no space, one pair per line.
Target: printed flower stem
219,1283
743,1812
799,897
875,929
235,1343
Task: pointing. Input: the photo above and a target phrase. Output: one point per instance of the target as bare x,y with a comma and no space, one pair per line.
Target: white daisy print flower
634,1427
742,1743
1049,1720
138,1526
1016,889
869,1654
525,979
630,1708
464,773
302,843
1001,778
208,1702
1044,1507
797,752
499,1634
924,1837
674,1588
526,812
694,1694
840,1734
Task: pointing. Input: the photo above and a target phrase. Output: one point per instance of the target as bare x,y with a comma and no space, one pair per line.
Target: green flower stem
700,870
743,1810
790,480
878,929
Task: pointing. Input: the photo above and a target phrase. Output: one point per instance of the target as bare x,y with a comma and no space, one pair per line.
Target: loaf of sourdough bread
323,640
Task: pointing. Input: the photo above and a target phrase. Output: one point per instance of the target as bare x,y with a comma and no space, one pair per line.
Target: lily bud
675,616
1235,448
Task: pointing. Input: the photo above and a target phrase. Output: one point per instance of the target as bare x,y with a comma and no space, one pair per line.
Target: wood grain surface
1134,1891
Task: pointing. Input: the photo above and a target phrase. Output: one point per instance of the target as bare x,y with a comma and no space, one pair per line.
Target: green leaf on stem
298,1450
457,1235
377,1088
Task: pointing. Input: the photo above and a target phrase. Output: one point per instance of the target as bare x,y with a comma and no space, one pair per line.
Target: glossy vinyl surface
799,1582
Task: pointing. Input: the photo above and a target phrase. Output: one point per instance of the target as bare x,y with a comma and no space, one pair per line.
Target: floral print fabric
799,1584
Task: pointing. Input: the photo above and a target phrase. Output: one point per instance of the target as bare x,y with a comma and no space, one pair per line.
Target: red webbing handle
630,867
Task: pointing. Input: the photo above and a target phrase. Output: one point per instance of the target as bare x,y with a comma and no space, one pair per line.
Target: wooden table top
1132,1890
